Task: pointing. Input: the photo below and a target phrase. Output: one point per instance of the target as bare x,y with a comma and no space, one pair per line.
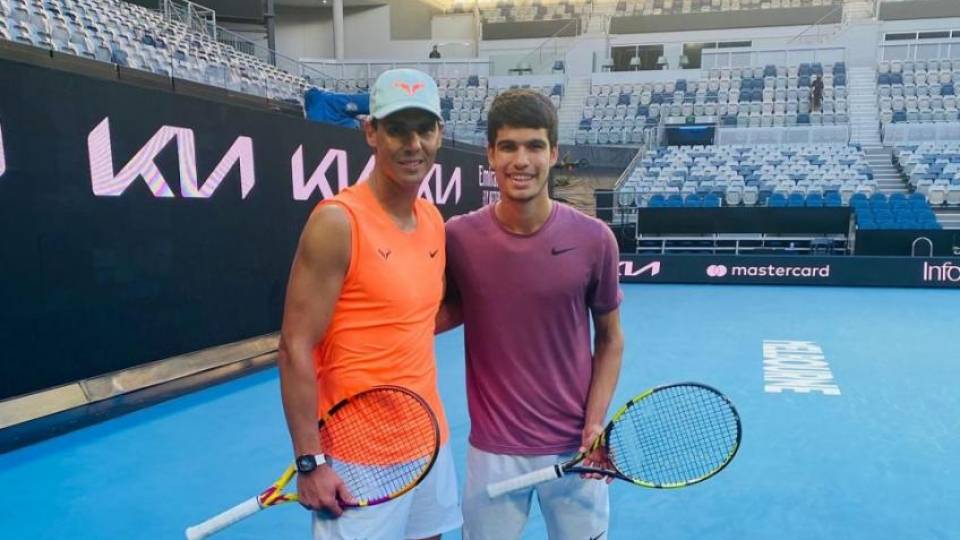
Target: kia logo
627,269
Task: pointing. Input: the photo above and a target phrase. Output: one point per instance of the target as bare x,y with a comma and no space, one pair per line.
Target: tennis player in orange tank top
364,291
382,329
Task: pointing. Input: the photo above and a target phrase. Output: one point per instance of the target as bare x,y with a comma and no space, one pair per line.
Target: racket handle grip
540,476
225,519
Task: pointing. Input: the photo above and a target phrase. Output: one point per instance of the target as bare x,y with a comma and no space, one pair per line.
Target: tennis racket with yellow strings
670,436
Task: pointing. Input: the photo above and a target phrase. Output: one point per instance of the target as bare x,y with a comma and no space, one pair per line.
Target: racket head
673,436
382,442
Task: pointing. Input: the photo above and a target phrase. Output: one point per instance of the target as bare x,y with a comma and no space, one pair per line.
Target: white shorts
431,508
573,508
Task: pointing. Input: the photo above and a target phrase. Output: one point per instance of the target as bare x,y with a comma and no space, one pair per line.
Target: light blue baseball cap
399,89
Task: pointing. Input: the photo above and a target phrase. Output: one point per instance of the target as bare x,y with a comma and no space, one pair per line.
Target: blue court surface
877,461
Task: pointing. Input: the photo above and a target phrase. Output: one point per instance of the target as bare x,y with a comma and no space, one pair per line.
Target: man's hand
322,489
596,458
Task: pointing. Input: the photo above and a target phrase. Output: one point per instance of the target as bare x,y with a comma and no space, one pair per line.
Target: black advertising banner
139,224
792,270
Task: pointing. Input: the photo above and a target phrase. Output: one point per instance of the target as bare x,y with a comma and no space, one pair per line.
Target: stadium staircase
862,99
854,10
949,218
889,180
571,108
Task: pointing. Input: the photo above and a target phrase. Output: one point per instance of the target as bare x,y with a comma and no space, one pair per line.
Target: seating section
896,211
679,7
620,114
135,37
768,96
932,169
465,103
775,96
522,10
764,175
918,91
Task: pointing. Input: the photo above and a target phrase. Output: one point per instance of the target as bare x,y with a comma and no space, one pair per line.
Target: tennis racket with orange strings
382,442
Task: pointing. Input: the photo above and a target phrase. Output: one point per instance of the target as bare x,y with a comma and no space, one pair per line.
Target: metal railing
818,26
196,17
926,49
824,31
203,20
749,57
549,51
369,70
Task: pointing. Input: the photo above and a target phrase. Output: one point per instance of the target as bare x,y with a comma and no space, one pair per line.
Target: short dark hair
522,108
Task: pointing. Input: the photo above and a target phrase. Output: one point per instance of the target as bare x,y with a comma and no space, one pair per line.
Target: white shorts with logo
573,508
431,508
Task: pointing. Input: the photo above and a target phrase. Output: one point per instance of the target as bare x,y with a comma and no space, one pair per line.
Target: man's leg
575,508
504,517
426,511
381,522
435,503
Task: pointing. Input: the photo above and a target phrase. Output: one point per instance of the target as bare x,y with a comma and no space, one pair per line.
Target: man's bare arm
607,358
316,278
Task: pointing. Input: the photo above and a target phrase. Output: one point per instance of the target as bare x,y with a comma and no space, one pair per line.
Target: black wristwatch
307,463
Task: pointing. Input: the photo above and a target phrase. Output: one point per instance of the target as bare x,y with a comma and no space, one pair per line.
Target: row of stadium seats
522,10
656,110
636,135
752,174
767,96
898,211
918,91
876,212
742,119
918,109
466,117
661,93
676,7
910,66
477,101
932,169
135,37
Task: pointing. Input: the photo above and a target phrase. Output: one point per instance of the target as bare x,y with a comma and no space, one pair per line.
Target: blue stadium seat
796,200
693,201
814,200
878,199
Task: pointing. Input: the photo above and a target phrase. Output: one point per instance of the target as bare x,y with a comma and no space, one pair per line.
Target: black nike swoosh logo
558,251
597,537
434,253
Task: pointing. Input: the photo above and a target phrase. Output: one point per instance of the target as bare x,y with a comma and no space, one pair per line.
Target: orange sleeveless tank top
382,329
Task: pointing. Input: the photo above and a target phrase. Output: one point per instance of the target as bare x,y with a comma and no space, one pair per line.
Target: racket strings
380,443
674,436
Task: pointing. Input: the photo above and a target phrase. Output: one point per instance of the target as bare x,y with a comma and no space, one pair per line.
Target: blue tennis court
876,461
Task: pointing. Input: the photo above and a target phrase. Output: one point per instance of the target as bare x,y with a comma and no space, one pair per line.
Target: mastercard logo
716,270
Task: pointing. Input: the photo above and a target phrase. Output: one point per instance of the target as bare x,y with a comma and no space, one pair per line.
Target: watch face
306,463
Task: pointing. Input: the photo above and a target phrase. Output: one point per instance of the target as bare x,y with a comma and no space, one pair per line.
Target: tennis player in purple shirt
526,276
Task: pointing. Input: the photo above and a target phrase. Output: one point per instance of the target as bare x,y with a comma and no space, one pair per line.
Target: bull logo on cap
408,88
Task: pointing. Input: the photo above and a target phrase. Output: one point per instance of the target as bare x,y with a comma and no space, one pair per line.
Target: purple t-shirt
526,312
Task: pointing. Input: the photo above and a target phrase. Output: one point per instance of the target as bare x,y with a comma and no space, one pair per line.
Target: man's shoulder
572,217
468,222
429,208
